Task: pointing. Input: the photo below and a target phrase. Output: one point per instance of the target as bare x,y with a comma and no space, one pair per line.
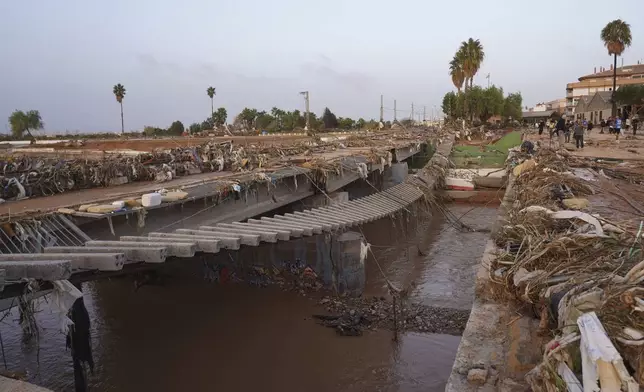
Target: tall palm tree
119,93
617,37
456,72
211,93
472,56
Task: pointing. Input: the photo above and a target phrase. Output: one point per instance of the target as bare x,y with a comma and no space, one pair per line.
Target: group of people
563,129
618,126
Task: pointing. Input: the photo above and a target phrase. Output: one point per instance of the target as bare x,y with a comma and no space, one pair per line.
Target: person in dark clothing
602,124
541,125
579,135
590,126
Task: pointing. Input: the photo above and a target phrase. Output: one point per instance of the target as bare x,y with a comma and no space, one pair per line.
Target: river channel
189,334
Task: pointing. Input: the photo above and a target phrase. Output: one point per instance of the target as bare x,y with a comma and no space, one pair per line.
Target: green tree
450,105
329,119
492,104
346,123
207,124
512,107
456,71
630,95
195,128
247,118
176,128
119,93
211,93
219,117
22,122
471,56
264,121
361,123
473,102
617,37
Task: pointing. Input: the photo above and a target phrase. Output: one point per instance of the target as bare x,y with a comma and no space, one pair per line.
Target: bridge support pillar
348,269
396,174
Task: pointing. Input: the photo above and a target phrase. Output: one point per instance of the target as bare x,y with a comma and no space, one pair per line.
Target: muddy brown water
192,335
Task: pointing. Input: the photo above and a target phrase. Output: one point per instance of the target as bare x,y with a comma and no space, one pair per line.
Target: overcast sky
63,57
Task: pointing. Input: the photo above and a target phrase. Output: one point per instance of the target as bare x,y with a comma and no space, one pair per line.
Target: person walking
541,125
636,122
618,127
560,128
578,135
628,124
590,127
602,124
567,130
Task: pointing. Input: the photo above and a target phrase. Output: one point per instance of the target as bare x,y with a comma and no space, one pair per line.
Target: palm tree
119,93
472,55
211,93
617,37
456,72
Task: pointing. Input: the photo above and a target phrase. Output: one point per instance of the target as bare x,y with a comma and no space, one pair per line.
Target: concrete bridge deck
74,252
59,262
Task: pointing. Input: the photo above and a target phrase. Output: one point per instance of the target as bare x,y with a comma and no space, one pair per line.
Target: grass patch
491,155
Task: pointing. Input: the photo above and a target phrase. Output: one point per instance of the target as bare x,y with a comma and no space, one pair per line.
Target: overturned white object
364,249
62,298
600,360
362,170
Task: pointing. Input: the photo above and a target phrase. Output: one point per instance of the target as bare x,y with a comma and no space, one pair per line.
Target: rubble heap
581,271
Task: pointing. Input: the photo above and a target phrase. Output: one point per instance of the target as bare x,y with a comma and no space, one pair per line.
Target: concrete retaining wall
500,344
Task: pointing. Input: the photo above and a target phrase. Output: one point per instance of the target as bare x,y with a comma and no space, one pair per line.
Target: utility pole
424,113
488,80
306,101
412,113
382,110
395,112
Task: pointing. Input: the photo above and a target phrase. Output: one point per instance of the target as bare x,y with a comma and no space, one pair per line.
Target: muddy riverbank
188,333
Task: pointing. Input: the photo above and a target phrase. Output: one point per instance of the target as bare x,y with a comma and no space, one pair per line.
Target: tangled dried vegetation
28,176
567,263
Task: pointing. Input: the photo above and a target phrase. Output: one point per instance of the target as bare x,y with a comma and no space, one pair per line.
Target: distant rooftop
626,70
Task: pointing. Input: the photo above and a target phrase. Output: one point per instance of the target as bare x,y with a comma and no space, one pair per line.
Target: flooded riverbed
192,335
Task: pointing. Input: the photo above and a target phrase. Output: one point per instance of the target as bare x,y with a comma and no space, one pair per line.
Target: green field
491,155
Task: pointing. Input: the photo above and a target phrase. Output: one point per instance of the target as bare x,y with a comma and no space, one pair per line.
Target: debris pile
353,316
582,272
33,176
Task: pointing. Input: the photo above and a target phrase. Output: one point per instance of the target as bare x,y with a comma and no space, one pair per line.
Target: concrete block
224,242
339,223
265,236
244,238
307,229
80,261
174,249
292,217
132,254
295,230
48,270
349,273
206,246
282,234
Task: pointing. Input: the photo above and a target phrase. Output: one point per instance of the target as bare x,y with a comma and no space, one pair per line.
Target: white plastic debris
600,360
151,199
572,383
362,170
568,214
364,249
62,298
